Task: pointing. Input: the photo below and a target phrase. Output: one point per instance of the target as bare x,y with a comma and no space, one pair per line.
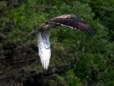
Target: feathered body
68,20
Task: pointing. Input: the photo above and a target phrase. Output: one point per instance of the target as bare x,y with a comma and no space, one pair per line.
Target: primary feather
68,20
44,48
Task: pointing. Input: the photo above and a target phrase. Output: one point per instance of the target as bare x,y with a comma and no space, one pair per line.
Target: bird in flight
67,20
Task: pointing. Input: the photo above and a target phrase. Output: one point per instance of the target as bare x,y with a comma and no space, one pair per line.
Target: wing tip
45,64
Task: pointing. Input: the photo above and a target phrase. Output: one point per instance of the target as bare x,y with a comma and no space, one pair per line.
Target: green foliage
73,80
93,56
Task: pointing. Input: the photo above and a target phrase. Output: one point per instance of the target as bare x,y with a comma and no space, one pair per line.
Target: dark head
83,26
73,21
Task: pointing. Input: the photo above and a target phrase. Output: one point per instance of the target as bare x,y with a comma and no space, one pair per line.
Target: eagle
66,20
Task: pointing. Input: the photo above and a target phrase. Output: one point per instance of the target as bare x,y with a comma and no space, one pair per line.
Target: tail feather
44,48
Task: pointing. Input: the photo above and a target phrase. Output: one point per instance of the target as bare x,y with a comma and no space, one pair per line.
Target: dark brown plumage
68,20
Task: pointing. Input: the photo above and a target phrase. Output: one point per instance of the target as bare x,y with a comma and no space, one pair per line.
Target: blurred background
78,59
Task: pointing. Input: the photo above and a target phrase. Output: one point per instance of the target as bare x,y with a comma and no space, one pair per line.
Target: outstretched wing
44,48
72,21
43,36
68,20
